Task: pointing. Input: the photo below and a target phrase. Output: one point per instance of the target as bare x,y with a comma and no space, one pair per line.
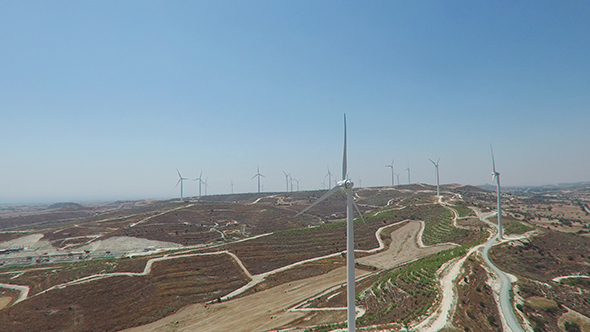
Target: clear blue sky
105,99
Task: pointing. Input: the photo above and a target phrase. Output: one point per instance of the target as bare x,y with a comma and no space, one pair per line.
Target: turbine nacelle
346,184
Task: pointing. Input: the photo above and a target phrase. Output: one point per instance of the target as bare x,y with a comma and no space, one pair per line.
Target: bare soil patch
264,310
5,301
403,248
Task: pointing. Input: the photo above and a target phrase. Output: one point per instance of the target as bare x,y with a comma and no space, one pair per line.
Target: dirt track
403,248
261,311
268,309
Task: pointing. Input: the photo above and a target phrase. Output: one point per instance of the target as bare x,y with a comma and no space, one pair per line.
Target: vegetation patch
408,292
463,211
515,227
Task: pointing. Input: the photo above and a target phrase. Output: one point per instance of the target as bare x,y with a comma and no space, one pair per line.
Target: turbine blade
262,175
254,176
178,183
180,176
432,162
326,195
344,165
359,211
493,162
438,161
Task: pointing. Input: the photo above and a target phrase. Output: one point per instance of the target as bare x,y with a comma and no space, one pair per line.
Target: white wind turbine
496,175
346,185
297,183
408,169
391,166
200,179
436,168
286,180
258,175
181,181
329,175
397,177
232,187
206,185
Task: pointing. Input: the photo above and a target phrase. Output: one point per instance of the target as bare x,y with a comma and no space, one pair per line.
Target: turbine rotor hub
348,184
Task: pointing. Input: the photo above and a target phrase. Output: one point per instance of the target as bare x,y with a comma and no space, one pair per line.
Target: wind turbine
181,181
297,183
258,175
397,177
497,176
200,181
232,187
391,166
436,167
206,185
286,180
346,185
408,169
329,175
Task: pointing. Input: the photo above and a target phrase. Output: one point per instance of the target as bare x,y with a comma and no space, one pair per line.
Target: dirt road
260,311
403,248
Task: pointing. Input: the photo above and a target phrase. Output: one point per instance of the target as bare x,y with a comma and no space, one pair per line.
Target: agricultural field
165,265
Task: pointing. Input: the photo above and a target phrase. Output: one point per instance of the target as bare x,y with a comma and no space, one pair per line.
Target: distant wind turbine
206,185
329,175
436,168
408,169
258,175
200,179
497,176
397,177
232,187
181,181
346,185
391,166
297,183
286,180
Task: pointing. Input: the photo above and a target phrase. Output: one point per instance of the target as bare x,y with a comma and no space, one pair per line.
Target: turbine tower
436,168
329,175
297,183
232,187
200,182
391,166
496,175
258,175
181,181
206,185
346,185
286,180
397,177
408,169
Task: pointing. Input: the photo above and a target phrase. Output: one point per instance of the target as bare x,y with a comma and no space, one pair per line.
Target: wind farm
168,166
364,273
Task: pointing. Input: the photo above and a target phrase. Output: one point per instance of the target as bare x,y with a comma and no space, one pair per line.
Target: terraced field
286,247
407,292
120,302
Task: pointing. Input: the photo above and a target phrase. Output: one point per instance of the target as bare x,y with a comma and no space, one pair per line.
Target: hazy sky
105,99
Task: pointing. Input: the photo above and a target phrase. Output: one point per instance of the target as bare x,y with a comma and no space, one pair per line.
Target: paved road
505,301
